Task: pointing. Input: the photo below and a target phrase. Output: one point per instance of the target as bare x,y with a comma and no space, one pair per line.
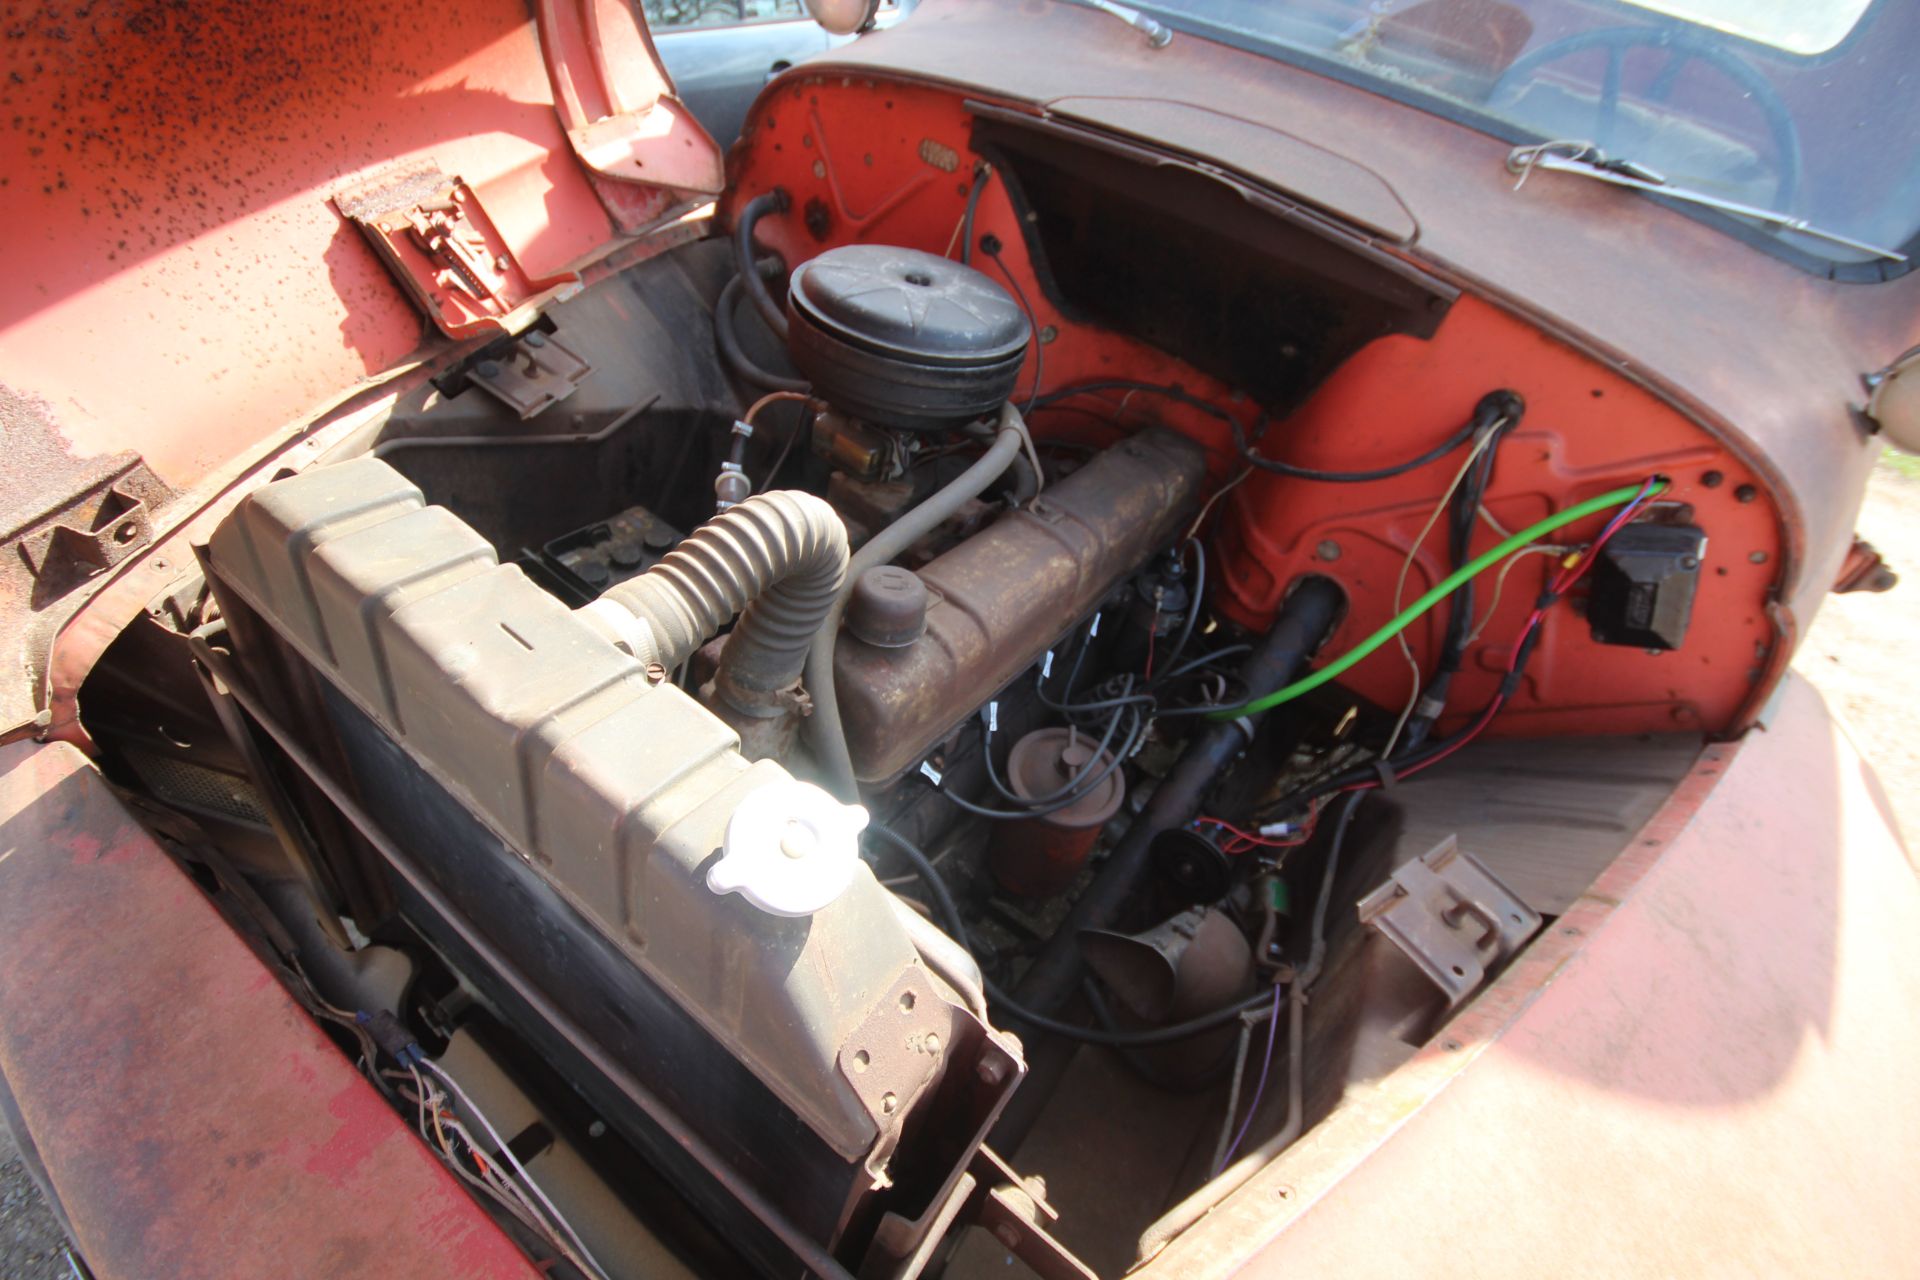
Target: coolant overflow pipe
826,736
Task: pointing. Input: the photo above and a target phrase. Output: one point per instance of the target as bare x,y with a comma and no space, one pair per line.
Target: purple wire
1273,1025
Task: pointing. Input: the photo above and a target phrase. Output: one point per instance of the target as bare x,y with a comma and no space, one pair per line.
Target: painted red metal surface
1703,1069
1586,430
192,1119
890,162
177,278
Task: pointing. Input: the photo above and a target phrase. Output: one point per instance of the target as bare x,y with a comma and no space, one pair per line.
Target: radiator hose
826,735
780,557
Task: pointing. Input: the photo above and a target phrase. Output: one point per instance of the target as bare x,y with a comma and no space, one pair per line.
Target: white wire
508,1197
1480,445
506,1153
1218,494
1500,583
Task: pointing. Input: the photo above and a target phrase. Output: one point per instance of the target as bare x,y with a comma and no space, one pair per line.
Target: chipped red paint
177,280
193,1120
1589,427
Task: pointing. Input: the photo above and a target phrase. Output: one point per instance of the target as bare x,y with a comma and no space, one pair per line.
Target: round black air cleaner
902,338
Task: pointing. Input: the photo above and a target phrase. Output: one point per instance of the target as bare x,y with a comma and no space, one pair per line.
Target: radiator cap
791,849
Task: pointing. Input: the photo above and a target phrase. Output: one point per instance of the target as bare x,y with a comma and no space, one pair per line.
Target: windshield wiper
1589,161
1158,34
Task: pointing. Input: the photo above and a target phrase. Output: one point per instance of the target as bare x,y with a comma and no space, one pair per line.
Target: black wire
1193,605
1403,761
744,253
1033,324
993,774
1241,445
1439,451
1228,651
727,338
1117,759
956,927
981,173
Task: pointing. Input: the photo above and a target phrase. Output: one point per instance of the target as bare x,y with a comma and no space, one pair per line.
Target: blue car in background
721,53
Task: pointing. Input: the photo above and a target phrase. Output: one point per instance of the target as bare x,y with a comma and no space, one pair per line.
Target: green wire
1445,587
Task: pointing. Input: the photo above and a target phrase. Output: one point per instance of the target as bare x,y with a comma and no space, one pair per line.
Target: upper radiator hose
780,556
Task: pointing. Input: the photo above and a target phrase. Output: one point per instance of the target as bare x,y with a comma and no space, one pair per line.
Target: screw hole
920,278
906,1002
1458,972
862,1060
126,533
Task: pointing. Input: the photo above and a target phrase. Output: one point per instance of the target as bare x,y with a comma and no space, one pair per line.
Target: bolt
1713,479
1327,550
1048,333
488,368
656,673
1689,562
1745,493
889,1102
932,1042
1007,1234
598,1129
535,339
991,1070
1758,557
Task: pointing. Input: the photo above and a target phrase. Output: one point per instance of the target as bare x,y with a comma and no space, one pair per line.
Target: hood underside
181,275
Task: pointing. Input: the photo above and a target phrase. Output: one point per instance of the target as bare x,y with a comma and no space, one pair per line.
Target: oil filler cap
791,849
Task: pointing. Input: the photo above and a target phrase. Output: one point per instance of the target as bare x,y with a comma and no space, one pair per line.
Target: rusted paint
193,1120
177,281
107,605
1763,355
1724,1020
1865,569
1590,426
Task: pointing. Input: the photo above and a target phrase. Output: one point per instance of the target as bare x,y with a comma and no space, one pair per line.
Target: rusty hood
222,216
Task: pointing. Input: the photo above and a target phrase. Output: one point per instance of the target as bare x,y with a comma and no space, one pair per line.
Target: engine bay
847,746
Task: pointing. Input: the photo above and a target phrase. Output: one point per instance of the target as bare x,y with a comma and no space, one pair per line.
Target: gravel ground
1861,651
32,1246
1859,654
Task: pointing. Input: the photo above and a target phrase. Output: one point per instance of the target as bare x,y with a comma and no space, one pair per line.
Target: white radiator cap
791,849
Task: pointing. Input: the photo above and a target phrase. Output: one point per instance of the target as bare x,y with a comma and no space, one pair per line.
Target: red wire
1568,577
1244,840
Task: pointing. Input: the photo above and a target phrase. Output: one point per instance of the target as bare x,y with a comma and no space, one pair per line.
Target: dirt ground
1861,653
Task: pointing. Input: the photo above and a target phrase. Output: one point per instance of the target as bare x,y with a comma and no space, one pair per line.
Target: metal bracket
642,149
76,549
894,1055
1013,1210
533,376
429,228
1864,569
1451,916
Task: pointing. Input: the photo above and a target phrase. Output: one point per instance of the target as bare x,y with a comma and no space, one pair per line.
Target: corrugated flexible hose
780,556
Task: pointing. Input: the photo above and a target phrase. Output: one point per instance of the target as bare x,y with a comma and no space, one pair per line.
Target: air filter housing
902,338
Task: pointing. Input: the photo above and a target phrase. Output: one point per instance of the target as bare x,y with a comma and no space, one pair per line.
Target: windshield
1802,107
